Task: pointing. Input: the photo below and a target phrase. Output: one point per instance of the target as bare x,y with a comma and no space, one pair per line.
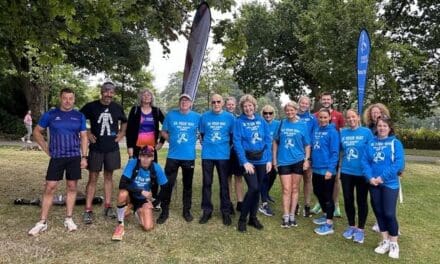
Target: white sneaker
22,139
28,141
383,247
70,225
37,229
375,228
394,250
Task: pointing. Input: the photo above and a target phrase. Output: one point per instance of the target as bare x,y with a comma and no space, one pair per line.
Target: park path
123,145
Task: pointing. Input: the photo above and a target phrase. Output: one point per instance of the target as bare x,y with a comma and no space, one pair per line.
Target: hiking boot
394,250
349,232
316,209
70,225
359,236
119,233
38,228
110,212
325,229
162,217
265,209
384,247
187,215
255,223
306,211
227,219
205,218
88,217
320,220
241,227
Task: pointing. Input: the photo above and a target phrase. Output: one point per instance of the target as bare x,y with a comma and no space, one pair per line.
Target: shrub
419,138
11,125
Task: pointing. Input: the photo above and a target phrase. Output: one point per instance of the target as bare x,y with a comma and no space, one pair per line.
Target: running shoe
337,212
285,224
316,209
359,236
88,217
349,232
265,209
110,212
307,212
70,225
119,233
394,250
320,220
292,223
38,228
384,247
325,229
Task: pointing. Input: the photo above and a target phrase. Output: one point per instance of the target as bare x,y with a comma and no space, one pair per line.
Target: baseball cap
147,150
185,96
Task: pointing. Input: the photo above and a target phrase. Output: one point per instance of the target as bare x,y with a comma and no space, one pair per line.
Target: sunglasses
267,113
216,102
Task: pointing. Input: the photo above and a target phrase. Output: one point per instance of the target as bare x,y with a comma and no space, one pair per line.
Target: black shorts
57,166
296,168
234,165
110,160
136,202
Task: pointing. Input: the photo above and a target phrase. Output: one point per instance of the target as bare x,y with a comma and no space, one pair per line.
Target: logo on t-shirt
105,119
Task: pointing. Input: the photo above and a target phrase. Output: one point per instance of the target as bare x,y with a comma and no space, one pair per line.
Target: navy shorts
296,168
110,160
57,167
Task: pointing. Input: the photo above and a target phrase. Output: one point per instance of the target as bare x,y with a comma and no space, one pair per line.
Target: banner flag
363,54
196,49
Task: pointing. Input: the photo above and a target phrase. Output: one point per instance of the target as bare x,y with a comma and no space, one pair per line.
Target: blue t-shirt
310,120
292,139
217,130
353,145
325,149
64,128
273,127
182,130
384,158
252,135
143,180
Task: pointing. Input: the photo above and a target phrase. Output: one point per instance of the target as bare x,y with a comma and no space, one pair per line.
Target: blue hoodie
379,160
325,149
353,144
252,135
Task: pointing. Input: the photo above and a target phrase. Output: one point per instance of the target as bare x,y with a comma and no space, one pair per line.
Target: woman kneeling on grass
135,188
325,155
354,140
291,152
383,160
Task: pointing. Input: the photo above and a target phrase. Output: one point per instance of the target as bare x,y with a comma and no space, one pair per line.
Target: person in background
382,163
268,113
337,119
108,124
354,140
291,155
135,188
215,128
234,166
28,125
180,128
325,155
67,150
253,145
143,130
311,122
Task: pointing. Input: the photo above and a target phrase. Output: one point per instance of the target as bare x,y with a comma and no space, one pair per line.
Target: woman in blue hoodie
325,155
253,145
354,141
383,160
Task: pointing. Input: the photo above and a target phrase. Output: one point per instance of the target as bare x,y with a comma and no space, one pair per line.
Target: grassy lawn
179,242
423,152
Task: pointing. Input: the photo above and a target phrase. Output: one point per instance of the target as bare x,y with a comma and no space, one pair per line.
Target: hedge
419,138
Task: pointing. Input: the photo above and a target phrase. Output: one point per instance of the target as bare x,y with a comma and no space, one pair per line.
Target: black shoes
255,223
162,217
227,220
187,216
204,219
239,204
241,227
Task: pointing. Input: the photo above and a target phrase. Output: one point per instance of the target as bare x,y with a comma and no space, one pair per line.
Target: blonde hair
268,108
248,98
291,104
141,93
368,120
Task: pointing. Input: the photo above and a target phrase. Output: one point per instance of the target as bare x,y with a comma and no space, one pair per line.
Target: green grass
423,152
176,241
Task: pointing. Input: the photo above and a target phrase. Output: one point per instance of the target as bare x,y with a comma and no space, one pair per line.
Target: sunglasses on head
267,113
216,102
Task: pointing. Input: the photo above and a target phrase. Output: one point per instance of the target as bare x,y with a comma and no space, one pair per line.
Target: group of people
318,148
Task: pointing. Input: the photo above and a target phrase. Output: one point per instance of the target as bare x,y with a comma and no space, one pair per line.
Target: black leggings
349,183
323,189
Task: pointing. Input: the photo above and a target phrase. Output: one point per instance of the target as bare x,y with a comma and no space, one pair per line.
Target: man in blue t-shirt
104,136
216,128
135,189
67,151
180,128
